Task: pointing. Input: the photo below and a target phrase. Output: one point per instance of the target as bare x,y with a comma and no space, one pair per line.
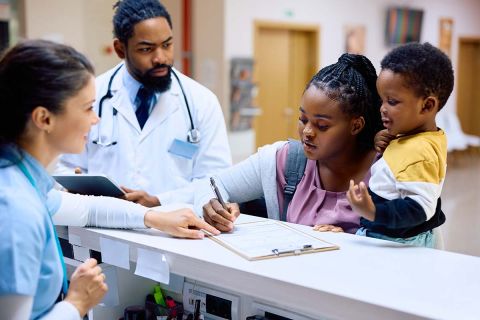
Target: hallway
461,203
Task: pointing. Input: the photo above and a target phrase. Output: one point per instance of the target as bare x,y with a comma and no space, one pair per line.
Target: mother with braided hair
338,119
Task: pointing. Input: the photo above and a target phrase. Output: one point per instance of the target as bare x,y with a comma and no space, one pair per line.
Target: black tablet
89,184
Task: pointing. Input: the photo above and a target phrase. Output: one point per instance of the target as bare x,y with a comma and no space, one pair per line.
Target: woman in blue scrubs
46,96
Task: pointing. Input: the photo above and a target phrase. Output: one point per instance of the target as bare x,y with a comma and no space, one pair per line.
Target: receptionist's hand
181,223
87,286
217,216
141,197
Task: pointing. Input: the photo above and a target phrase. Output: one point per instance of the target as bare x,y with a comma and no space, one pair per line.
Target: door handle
288,112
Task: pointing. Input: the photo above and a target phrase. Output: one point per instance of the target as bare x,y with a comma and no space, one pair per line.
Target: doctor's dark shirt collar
131,85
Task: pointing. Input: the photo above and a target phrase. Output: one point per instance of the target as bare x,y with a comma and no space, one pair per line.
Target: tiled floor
461,203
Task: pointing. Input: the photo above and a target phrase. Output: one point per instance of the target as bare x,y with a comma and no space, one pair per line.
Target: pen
217,193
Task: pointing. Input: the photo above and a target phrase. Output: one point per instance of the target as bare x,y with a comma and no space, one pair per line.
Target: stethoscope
193,135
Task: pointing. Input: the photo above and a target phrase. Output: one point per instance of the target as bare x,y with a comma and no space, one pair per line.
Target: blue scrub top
30,264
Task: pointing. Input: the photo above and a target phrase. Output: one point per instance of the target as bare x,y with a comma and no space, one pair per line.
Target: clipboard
266,239
90,184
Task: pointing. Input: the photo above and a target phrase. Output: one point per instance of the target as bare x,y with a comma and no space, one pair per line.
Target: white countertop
366,279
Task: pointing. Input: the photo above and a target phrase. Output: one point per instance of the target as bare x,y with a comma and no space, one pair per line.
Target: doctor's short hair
352,82
425,69
38,73
130,12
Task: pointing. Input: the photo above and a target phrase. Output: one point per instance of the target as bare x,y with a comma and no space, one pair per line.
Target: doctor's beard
156,83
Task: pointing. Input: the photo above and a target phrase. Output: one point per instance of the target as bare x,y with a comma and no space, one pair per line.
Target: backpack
294,169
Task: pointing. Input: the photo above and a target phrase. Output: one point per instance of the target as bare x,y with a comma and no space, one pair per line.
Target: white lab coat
140,159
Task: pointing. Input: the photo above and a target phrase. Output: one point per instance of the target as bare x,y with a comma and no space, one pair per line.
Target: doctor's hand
217,216
87,287
141,197
181,223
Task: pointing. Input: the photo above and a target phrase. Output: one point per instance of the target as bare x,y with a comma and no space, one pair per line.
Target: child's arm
382,140
360,200
400,213
397,213
394,214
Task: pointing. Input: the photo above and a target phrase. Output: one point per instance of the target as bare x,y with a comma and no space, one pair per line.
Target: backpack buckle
288,189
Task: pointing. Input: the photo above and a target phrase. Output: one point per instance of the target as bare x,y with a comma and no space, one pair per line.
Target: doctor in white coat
184,137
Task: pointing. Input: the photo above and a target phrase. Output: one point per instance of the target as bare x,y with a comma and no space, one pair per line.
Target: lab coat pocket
183,166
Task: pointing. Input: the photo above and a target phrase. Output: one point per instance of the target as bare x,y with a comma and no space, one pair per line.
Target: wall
97,34
67,26
208,47
332,16
174,8
86,25
223,29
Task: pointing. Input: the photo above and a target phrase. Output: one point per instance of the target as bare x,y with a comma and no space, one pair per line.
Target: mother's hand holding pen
218,216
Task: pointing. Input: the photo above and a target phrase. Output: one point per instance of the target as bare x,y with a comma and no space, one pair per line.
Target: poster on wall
446,30
243,90
355,39
403,25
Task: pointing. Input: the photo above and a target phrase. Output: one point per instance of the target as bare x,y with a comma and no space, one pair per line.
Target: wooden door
303,66
468,85
286,57
271,74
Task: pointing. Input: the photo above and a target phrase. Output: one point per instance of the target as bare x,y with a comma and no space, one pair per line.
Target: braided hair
352,83
130,12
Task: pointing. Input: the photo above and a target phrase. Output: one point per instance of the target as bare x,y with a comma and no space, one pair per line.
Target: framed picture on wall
355,39
403,25
242,91
446,30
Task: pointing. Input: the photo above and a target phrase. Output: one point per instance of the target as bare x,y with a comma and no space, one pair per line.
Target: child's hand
360,200
382,139
327,227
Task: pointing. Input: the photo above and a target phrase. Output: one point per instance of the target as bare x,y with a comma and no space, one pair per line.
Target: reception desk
366,279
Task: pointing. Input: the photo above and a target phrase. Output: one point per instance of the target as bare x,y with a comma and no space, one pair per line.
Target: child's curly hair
426,69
